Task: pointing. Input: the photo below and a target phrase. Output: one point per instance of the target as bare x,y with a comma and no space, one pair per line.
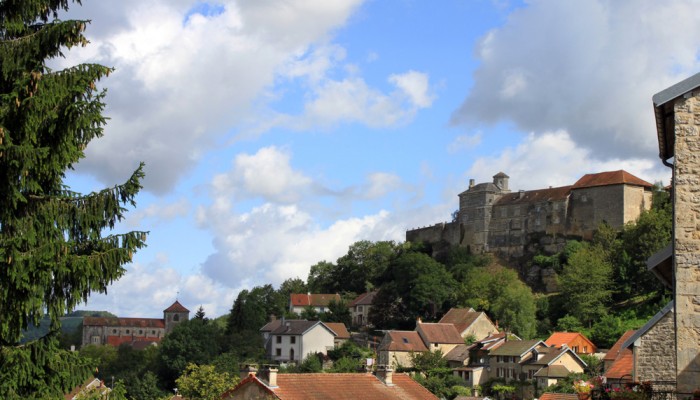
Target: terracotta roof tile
614,351
405,341
365,299
558,396
610,178
558,339
124,322
313,299
439,333
622,367
347,387
459,353
341,331
176,307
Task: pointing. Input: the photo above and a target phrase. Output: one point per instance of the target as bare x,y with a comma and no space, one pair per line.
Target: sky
277,133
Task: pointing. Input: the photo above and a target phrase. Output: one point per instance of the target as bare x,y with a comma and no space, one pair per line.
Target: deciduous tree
53,249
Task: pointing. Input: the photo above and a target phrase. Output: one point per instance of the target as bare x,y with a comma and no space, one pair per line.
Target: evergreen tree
52,250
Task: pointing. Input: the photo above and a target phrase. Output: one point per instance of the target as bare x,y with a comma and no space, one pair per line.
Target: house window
359,308
153,332
291,354
500,372
575,349
114,331
585,349
293,339
278,352
95,340
279,339
140,331
176,317
127,331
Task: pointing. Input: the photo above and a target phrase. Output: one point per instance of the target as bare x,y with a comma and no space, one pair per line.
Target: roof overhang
661,265
663,111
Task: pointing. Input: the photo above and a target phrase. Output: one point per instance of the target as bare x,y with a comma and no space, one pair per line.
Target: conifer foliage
53,248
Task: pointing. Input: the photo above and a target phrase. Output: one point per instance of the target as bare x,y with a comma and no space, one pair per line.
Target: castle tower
501,180
173,315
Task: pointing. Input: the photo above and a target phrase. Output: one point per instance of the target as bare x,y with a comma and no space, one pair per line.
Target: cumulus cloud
464,142
159,212
186,76
554,159
589,68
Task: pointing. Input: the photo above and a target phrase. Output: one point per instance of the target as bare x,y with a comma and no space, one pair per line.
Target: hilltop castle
491,218
137,332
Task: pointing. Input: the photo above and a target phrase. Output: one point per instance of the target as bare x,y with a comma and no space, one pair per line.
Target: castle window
95,340
140,332
176,317
127,331
114,331
153,332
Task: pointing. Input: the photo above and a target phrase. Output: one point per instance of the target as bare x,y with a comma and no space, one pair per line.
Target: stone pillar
686,234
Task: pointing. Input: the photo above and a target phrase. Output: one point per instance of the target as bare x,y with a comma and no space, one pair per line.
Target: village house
383,385
469,323
359,309
137,332
550,364
291,341
576,341
472,365
437,336
341,332
396,347
506,361
319,302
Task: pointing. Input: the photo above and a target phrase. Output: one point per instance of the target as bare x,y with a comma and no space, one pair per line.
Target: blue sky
276,134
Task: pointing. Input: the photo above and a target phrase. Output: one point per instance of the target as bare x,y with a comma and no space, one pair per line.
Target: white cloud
180,86
380,184
464,142
415,85
553,159
589,68
159,212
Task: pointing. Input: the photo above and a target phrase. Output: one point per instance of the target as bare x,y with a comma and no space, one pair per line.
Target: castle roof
176,307
619,177
124,322
534,196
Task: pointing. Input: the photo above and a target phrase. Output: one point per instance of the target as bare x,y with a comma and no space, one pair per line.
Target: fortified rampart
491,218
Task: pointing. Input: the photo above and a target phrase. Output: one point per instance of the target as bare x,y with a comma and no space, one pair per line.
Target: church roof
610,178
176,307
124,322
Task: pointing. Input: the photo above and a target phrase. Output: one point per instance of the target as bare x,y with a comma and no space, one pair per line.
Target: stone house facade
677,114
137,332
654,348
360,307
469,323
491,218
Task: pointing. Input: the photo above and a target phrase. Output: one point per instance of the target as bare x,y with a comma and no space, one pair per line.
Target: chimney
521,193
248,370
273,317
268,374
385,374
419,321
471,183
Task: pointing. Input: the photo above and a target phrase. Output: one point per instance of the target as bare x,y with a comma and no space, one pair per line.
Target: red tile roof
622,367
341,332
610,178
124,322
176,307
365,299
116,341
405,341
326,386
558,396
439,333
614,351
558,339
314,299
